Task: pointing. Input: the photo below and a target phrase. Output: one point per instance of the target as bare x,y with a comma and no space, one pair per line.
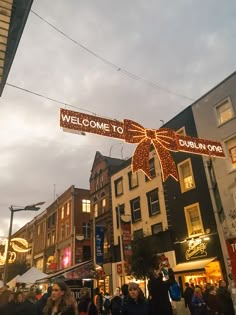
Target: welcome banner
164,140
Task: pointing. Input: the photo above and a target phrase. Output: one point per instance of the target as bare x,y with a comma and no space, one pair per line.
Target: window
85,205
138,234
103,205
96,179
193,219
39,229
86,230
224,111
151,169
62,232
133,180
62,213
156,228
231,149
136,210
186,175
120,210
95,210
101,179
119,186
53,237
67,208
153,202
67,228
181,131
49,239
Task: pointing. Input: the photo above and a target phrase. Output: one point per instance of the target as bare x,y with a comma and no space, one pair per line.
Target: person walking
116,302
212,303
224,299
135,303
86,306
98,300
199,305
188,294
61,301
159,291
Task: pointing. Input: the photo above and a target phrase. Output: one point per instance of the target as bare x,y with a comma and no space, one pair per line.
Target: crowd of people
127,300
210,300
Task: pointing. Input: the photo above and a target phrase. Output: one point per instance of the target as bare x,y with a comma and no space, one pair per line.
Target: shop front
199,261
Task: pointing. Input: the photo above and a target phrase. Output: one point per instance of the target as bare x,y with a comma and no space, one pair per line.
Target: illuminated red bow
163,140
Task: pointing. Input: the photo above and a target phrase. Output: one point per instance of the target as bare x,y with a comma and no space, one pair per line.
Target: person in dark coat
212,303
98,300
85,303
135,303
116,303
159,292
43,301
188,294
224,300
61,301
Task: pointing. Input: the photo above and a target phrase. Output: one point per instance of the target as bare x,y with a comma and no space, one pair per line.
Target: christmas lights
164,140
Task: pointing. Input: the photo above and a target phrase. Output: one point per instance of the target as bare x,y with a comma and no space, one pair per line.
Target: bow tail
168,167
140,159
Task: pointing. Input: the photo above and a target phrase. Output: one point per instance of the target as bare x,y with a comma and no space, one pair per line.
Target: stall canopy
12,282
84,270
31,276
198,265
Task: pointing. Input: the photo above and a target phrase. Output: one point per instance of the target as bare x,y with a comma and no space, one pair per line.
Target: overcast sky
185,46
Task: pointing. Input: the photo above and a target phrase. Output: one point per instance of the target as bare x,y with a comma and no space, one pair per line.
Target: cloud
180,45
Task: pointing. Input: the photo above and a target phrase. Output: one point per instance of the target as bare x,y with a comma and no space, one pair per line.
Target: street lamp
13,209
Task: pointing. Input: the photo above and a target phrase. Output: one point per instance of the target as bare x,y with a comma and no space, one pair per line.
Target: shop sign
231,246
99,241
19,245
164,140
196,249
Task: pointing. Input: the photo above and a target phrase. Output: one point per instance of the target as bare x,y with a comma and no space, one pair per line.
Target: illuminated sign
164,140
196,248
19,245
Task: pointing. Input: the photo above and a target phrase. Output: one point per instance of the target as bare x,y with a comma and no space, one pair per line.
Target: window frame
221,103
181,131
181,178
152,203
155,225
86,205
188,222
135,210
130,178
138,234
116,182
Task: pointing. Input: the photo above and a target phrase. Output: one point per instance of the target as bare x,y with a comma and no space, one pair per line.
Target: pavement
180,308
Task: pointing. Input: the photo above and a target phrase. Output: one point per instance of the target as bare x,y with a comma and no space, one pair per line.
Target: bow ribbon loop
163,140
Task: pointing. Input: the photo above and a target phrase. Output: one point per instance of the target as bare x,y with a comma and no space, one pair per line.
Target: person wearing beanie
136,303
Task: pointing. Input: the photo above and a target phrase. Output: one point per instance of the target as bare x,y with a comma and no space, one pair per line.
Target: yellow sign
164,140
19,245
196,248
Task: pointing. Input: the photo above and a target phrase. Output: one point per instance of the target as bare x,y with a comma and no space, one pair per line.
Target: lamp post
13,209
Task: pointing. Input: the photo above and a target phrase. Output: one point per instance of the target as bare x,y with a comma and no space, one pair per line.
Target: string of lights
111,64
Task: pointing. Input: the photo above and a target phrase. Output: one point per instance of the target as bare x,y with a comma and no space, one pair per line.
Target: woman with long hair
135,303
61,301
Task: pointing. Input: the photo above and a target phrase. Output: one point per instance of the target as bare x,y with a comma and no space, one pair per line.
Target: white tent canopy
31,276
12,282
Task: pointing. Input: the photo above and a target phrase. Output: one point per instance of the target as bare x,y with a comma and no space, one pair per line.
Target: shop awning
196,265
86,269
